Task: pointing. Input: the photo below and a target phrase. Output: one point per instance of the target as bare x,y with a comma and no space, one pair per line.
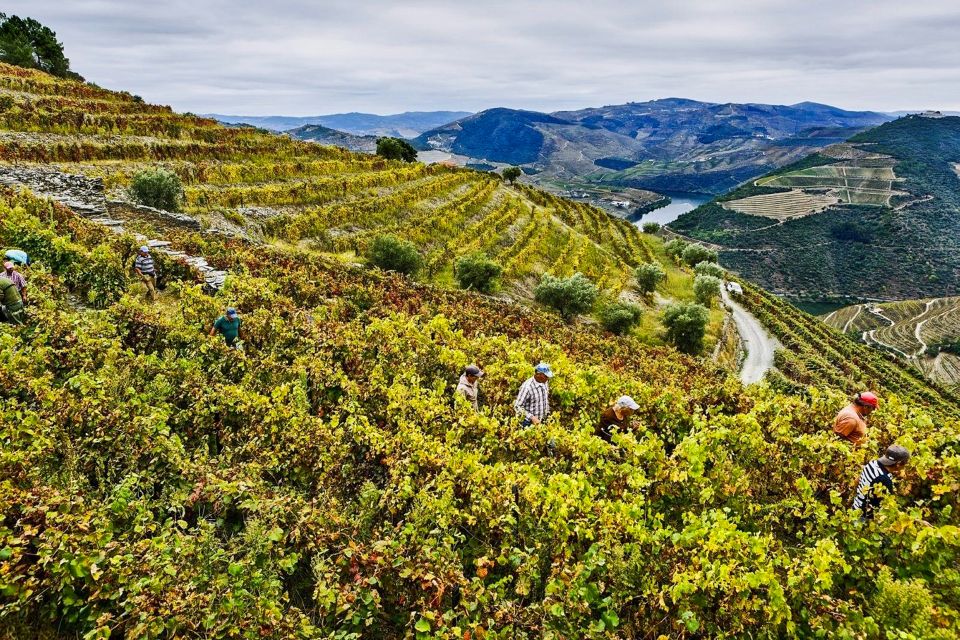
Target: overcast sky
294,57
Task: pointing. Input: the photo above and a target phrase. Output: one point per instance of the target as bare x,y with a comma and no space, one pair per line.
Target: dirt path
758,344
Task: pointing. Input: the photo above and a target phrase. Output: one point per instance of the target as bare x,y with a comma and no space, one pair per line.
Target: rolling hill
672,144
332,137
323,481
874,219
401,125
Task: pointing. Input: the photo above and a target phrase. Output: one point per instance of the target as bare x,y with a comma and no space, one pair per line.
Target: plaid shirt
16,278
533,400
145,265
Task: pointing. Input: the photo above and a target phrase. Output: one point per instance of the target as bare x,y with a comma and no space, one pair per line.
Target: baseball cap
628,402
545,369
231,312
473,370
895,455
868,399
145,249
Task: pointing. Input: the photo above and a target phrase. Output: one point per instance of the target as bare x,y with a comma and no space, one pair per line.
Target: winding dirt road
757,342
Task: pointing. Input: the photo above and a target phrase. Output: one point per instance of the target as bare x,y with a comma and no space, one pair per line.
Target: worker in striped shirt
533,401
145,268
879,472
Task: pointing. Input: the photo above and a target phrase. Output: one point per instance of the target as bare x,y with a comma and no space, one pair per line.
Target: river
680,203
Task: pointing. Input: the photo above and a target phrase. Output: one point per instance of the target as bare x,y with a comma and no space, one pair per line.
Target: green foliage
648,276
158,188
686,325
651,227
27,43
396,149
620,317
676,247
477,272
707,268
696,253
510,174
392,254
570,296
706,289
902,607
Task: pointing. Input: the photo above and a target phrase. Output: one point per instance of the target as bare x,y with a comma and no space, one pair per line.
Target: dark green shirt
9,295
228,328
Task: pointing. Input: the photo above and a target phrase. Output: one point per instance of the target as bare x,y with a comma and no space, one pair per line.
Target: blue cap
231,312
545,369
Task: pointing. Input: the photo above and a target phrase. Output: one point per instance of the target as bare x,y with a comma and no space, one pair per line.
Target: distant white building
734,287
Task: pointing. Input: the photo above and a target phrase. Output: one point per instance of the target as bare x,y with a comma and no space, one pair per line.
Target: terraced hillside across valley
875,218
925,333
282,190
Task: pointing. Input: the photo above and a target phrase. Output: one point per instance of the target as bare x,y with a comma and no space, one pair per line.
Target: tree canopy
27,43
396,149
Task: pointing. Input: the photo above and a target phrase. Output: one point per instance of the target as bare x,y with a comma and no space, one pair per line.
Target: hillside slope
325,135
292,192
873,219
323,482
925,333
672,144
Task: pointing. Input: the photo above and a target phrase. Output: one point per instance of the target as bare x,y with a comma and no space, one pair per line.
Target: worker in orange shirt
851,423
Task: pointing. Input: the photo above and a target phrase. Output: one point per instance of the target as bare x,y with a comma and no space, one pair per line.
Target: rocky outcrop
83,195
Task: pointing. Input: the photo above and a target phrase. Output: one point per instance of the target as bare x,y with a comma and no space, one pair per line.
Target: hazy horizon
301,59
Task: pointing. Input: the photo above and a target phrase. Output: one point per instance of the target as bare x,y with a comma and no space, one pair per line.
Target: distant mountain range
672,144
403,125
876,218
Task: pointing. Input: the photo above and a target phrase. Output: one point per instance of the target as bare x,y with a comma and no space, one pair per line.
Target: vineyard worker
16,278
616,416
146,270
851,422
11,302
878,472
533,401
468,386
228,325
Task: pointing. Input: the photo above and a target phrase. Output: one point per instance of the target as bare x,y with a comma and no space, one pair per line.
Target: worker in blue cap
533,401
146,270
228,325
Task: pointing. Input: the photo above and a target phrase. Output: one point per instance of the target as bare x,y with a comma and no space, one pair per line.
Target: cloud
296,57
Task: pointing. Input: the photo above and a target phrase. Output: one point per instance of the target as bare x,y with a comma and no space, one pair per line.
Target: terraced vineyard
915,330
318,197
875,217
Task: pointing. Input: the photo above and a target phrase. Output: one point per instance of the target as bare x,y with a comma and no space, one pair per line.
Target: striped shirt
533,400
144,264
873,473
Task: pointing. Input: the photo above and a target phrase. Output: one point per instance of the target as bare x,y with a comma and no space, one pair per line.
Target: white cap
627,403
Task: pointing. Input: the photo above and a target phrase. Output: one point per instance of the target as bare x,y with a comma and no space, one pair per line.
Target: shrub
510,174
686,325
651,227
477,272
392,254
705,289
396,149
696,253
648,276
569,296
706,268
158,188
676,247
620,317
903,606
